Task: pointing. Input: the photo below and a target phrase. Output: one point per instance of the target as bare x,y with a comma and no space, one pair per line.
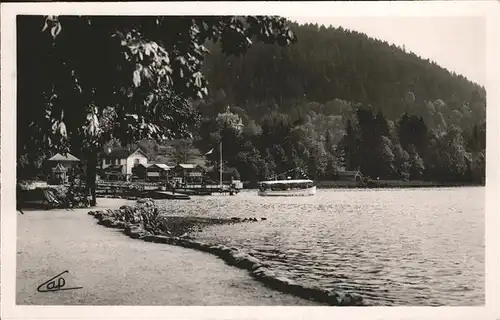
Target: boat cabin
280,185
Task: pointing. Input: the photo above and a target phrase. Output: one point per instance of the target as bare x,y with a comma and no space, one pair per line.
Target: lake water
407,247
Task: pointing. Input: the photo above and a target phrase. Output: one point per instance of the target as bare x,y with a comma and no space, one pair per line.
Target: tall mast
220,148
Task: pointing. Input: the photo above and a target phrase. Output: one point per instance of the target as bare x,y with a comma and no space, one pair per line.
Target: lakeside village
125,173
128,173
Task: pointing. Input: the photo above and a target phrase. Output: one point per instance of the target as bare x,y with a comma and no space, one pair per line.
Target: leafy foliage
94,78
133,72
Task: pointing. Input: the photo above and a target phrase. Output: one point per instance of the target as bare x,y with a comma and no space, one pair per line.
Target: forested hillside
328,70
337,99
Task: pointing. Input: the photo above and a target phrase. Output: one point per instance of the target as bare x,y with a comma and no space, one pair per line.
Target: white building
121,161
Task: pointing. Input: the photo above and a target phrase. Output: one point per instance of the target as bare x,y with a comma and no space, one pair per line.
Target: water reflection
394,247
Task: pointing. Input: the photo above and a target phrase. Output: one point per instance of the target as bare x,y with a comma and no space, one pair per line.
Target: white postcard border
488,9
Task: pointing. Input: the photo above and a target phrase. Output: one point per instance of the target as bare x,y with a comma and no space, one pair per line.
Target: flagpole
220,147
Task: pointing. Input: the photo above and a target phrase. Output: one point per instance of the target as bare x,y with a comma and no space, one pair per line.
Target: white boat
289,187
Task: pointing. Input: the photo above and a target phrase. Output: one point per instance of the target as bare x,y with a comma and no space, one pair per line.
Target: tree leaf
136,78
55,30
62,130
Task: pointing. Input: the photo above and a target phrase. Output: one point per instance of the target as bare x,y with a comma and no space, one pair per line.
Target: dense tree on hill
280,147
182,151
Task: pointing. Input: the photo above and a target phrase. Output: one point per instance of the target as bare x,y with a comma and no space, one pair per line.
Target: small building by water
120,162
60,167
349,176
153,171
189,172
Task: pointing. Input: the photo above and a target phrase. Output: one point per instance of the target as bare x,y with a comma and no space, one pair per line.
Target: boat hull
288,193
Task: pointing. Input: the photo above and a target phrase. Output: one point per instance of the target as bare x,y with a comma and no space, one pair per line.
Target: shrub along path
114,269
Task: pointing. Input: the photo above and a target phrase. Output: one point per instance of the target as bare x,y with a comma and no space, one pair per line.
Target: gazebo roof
60,157
60,168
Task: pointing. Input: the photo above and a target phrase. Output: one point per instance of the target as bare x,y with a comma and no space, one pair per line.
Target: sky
455,43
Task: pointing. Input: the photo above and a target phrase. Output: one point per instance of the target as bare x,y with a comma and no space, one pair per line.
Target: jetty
159,191
166,195
206,190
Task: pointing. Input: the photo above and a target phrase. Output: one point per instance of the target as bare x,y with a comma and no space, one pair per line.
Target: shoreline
343,186
129,219
392,184
115,269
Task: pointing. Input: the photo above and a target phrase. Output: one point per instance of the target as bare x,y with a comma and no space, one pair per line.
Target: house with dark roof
350,176
152,171
189,172
122,160
158,171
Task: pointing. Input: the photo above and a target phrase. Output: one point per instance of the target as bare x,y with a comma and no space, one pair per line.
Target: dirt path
114,269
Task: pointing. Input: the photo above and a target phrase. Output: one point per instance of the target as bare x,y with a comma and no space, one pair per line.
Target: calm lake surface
417,247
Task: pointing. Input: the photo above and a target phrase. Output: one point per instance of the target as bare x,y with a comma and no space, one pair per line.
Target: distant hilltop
328,67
